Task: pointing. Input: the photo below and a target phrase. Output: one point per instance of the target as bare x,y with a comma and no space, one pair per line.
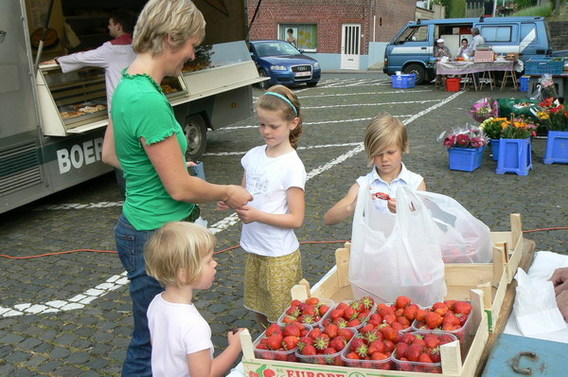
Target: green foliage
542,11
522,4
454,8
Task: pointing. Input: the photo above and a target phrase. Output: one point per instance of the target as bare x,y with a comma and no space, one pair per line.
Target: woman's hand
221,206
238,197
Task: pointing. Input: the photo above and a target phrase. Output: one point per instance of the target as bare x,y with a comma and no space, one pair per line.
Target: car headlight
316,65
278,67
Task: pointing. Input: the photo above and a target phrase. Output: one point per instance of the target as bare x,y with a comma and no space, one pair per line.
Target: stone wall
558,35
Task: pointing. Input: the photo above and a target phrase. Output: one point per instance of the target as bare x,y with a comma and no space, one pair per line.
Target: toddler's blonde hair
175,246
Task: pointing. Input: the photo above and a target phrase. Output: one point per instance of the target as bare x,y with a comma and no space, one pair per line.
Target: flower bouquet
483,109
465,138
492,127
517,128
553,116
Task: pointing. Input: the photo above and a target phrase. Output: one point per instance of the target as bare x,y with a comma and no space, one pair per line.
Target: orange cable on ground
224,250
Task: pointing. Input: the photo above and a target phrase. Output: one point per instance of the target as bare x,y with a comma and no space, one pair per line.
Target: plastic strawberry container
325,359
325,301
415,366
281,355
461,334
386,364
327,315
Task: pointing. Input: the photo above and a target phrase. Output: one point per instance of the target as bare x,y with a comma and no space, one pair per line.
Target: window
497,33
305,35
528,31
414,34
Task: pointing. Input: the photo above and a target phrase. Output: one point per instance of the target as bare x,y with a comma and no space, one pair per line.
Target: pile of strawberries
324,345
450,315
309,312
350,314
281,338
352,333
422,348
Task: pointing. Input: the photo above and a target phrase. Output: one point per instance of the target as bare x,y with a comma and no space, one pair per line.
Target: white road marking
116,281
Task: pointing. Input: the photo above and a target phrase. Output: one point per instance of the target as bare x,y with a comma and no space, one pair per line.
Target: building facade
340,34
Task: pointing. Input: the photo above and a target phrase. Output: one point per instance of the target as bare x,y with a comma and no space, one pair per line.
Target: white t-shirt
110,56
176,330
268,179
377,184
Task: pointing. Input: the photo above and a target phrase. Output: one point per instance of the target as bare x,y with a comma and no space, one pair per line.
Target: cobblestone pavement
69,314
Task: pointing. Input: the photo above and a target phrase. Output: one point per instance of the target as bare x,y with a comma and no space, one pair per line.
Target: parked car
283,63
412,49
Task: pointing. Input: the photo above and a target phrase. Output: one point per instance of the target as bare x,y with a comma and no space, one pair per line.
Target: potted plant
554,117
465,148
492,128
515,146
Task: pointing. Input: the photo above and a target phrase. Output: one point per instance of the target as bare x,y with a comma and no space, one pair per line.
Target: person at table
463,48
440,50
475,42
560,280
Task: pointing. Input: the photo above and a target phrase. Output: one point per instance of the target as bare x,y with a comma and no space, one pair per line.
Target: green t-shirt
141,110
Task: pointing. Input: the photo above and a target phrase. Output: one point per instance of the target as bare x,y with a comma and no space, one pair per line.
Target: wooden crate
486,285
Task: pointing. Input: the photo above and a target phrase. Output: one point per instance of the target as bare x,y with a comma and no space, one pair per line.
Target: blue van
412,49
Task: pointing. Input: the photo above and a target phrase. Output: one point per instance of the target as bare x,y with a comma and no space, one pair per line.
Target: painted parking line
116,281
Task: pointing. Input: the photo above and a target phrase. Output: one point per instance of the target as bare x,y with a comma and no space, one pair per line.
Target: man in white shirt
477,40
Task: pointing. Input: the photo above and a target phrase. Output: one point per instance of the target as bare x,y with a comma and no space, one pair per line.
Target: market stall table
469,67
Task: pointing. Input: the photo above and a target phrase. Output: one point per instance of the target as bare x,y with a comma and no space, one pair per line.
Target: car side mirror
301,51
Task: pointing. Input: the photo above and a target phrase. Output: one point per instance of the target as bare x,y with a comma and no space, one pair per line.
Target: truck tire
263,84
418,70
195,132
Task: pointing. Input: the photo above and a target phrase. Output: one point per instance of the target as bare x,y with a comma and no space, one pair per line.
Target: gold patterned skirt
268,281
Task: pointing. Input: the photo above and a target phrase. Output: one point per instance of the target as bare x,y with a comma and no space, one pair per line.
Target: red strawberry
451,319
274,342
378,356
349,313
462,307
367,302
352,355
323,309
440,308
289,319
316,332
462,318
413,352
365,329
410,312
309,310
338,343
390,334
403,321
375,319
362,350
341,323
407,338
431,341
290,342
376,346
450,304
336,313
373,335
433,320
321,342
312,301
296,302
329,351
402,302
305,341
401,349
424,358
292,329
293,311
331,330
308,350
434,355
274,328
346,333
354,323
389,318
389,345
421,315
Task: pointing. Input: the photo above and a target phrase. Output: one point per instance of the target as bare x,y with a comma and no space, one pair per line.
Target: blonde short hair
175,246
383,132
179,20
290,109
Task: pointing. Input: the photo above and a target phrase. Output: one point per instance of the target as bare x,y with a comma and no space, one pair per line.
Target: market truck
52,124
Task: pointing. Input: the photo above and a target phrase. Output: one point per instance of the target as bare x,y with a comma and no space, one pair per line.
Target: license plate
303,74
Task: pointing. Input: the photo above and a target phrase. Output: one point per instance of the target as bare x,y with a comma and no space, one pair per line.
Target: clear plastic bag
394,255
463,238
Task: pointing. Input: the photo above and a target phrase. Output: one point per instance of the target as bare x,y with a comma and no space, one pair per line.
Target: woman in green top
150,146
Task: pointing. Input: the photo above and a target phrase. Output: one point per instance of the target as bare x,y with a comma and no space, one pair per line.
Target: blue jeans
143,288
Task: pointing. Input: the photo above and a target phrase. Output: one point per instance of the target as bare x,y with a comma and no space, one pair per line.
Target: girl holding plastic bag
386,142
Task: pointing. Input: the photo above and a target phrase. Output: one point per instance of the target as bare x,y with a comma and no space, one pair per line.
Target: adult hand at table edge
562,302
560,280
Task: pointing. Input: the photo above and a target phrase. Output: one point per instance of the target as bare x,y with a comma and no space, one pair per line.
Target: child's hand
221,206
234,337
247,214
391,204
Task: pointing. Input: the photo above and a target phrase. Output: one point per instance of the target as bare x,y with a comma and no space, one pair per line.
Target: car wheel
266,83
195,132
418,70
311,84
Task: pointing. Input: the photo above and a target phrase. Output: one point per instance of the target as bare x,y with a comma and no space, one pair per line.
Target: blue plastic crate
524,81
404,81
539,66
515,156
465,159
